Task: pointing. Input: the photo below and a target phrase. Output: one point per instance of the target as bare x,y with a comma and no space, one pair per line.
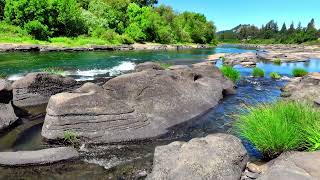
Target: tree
2,4
311,31
283,29
145,2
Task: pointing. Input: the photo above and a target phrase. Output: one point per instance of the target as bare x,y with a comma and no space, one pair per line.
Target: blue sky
227,14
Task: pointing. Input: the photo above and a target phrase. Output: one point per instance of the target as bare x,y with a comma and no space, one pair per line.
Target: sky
226,14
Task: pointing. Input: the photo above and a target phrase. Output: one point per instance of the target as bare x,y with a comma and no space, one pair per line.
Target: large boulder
5,91
136,106
306,88
7,115
294,166
220,157
34,90
45,156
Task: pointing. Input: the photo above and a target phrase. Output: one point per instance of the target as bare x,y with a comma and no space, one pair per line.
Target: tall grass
299,72
231,73
258,72
283,126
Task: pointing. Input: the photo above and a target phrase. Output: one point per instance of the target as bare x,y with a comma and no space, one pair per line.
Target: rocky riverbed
153,102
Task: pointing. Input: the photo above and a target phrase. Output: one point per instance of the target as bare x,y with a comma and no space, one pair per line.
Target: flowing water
135,160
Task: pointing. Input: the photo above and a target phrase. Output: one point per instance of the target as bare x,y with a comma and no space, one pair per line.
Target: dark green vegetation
258,72
277,62
231,73
271,34
299,72
274,75
280,127
80,22
70,137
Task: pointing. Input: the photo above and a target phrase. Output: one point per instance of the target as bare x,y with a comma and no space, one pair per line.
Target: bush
299,72
283,126
231,73
258,72
125,39
275,75
277,61
37,30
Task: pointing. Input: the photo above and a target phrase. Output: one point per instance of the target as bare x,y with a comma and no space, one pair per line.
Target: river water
134,160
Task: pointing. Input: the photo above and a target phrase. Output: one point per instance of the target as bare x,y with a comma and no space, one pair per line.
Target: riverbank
10,47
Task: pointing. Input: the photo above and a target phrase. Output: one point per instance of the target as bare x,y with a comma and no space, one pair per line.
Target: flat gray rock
45,156
218,157
7,115
136,106
294,166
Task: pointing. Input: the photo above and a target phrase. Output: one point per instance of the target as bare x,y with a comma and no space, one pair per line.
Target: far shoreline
16,47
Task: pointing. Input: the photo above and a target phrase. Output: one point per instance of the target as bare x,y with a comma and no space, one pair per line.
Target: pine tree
283,29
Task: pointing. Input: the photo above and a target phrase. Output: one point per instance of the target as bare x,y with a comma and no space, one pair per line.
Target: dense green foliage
279,127
299,72
277,61
274,75
270,33
258,72
114,21
231,73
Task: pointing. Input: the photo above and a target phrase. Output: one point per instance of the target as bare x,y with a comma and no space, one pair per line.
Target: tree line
272,32
124,21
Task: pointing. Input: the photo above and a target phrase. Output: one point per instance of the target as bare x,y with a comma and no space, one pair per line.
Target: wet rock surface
5,91
218,156
305,88
35,89
136,106
46,156
294,166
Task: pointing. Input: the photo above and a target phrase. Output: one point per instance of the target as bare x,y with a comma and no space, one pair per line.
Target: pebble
253,168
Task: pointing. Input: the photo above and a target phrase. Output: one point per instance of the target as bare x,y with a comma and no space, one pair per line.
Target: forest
101,22
270,33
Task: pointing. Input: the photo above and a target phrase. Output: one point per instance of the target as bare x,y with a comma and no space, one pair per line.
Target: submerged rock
7,115
306,88
35,89
294,166
136,106
45,156
218,156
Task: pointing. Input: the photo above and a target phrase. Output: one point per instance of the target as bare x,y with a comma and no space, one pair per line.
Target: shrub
125,39
277,61
299,72
37,30
275,75
258,72
283,126
230,73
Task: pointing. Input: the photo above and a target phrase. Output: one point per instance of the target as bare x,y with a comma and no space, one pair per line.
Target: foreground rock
294,166
5,91
46,156
136,106
34,90
7,115
305,88
219,156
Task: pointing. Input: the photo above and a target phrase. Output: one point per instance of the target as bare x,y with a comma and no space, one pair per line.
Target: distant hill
235,29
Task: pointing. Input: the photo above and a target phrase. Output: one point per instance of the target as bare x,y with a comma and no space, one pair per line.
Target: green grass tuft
54,70
275,75
3,75
277,61
299,72
166,65
283,126
70,137
258,72
231,73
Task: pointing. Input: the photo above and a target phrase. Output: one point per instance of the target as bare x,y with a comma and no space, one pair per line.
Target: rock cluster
305,88
140,105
